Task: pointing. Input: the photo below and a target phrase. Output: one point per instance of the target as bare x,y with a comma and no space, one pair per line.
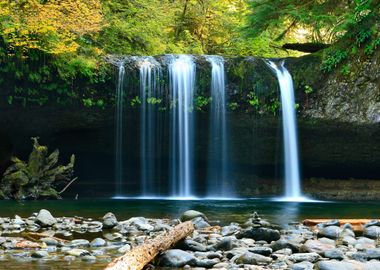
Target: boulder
372,232
252,258
316,246
191,214
176,258
259,234
109,221
332,232
45,218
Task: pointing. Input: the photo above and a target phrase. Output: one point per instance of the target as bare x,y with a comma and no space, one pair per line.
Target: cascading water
149,94
218,182
292,173
119,130
182,82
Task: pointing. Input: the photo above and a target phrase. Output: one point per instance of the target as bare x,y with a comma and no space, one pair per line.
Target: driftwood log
356,223
305,47
140,256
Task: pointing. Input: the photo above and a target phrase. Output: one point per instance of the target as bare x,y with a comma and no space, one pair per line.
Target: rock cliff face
353,97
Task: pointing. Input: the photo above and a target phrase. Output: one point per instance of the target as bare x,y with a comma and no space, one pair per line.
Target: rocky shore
254,245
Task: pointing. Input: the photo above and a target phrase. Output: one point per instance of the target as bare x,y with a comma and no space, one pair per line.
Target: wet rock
372,232
284,243
77,252
301,257
332,232
303,266
69,258
207,263
339,265
200,223
88,258
265,251
334,222
372,223
225,244
124,248
252,258
39,254
348,240
335,254
45,218
176,258
316,246
229,230
373,253
259,234
191,214
79,243
192,245
98,242
109,221
49,241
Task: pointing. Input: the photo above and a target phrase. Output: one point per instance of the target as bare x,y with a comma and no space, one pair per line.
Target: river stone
252,258
124,248
372,265
259,234
371,232
339,265
207,263
49,241
192,245
98,242
332,232
284,243
334,253
373,253
45,218
303,266
200,223
88,258
372,223
316,246
229,230
334,222
39,254
225,244
301,257
265,251
79,243
77,252
191,214
109,221
176,258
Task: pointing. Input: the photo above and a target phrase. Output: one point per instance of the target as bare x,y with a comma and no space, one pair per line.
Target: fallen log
140,256
357,224
305,47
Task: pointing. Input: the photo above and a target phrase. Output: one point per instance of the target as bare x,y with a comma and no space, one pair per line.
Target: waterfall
292,173
182,82
119,130
149,94
218,185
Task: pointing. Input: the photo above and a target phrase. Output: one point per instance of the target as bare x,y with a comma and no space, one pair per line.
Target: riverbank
42,240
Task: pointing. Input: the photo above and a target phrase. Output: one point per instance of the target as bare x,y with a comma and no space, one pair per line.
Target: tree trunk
140,256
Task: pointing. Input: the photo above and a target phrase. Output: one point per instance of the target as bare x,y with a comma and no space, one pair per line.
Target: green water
222,212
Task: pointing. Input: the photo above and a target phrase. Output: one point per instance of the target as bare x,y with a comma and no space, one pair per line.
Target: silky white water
218,182
289,124
182,83
119,130
150,72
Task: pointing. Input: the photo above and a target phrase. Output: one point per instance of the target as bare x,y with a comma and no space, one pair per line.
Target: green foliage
233,106
135,101
153,100
201,102
333,60
253,100
39,177
308,89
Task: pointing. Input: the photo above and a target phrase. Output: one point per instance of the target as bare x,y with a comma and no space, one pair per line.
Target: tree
53,26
